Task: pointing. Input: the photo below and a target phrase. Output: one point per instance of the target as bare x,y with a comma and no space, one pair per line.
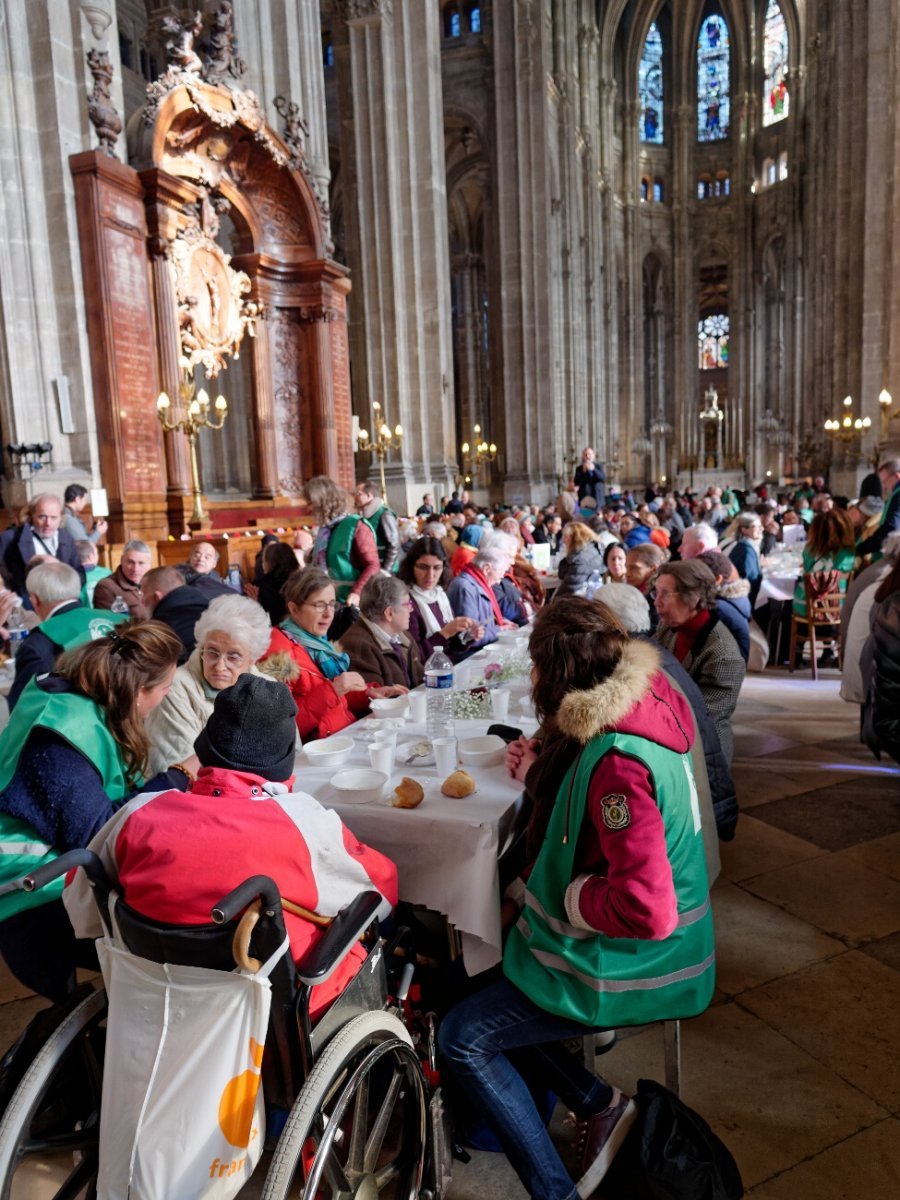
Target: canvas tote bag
182,1113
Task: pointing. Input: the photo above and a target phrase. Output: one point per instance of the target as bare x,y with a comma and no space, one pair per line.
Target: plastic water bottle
16,629
439,694
119,605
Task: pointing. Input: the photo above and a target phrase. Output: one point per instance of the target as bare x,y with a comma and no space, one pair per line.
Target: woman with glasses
232,635
329,696
432,625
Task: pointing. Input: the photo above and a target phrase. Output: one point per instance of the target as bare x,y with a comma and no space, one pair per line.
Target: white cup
500,703
445,755
381,756
386,737
418,705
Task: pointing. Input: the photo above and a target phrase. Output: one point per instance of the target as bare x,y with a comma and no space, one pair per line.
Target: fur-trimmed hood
637,698
734,589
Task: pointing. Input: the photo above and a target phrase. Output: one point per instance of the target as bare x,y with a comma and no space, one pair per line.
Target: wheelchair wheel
357,1129
49,1133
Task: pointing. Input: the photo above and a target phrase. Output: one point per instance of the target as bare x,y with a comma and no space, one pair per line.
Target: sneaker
604,1134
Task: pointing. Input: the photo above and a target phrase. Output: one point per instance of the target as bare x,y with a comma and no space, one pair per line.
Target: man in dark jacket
590,478
169,599
41,534
54,590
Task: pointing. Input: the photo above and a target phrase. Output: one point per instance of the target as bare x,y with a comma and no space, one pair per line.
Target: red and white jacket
176,854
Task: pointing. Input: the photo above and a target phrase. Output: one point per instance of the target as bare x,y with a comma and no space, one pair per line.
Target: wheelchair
365,1114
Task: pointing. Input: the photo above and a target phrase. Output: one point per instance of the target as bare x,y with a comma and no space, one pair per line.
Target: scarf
479,578
685,636
330,661
424,598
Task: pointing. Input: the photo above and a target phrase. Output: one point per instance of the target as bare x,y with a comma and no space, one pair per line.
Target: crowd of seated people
121,732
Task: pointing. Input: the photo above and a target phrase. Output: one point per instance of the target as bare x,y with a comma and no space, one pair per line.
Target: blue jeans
475,1037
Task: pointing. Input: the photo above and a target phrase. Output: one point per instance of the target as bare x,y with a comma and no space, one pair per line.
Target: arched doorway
215,181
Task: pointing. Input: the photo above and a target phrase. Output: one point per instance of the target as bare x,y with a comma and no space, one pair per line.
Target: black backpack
671,1154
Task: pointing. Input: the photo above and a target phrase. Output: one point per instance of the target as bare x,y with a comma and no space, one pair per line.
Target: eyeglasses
231,657
322,606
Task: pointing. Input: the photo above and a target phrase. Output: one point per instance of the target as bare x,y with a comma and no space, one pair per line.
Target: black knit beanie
252,728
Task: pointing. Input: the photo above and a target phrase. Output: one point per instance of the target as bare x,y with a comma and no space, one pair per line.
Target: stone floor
796,1063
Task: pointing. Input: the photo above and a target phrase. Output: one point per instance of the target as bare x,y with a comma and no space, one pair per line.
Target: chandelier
847,428
642,445
660,427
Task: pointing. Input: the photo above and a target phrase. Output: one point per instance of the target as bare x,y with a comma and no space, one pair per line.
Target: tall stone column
523,374
387,56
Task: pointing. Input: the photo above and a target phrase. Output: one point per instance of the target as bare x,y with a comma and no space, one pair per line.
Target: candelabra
888,412
475,454
196,417
847,428
382,443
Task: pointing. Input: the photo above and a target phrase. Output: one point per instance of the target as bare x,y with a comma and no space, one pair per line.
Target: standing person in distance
590,478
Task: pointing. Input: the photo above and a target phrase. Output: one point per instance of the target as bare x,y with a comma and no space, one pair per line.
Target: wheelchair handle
62,866
245,893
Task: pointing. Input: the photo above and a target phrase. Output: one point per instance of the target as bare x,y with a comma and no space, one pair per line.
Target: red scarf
468,569
688,632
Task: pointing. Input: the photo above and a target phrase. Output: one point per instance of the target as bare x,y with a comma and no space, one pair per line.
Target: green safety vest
80,625
93,578
381,542
878,554
82,724
337,555
604,981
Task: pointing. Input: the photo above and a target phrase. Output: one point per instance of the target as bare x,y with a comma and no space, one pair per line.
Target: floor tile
882,854
759,780
863,1167
14,1016
760,742
835,895
885,950
771,1103
756,942
759,847
844,1013
838,816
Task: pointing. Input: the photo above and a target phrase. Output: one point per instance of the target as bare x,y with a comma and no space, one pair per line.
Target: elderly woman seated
686,600
583,558
432,625
232,635
379,644
472,593
329,696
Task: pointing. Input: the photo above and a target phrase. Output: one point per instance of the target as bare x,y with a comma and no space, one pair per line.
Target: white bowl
359,785
485,751
330,753
389,706
508,637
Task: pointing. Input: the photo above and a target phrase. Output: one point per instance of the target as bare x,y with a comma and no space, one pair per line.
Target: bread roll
459,784
408,793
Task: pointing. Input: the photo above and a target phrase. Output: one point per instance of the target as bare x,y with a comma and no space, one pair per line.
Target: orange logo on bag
239,1100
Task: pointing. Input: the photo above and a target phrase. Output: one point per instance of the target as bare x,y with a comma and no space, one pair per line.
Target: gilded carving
213,312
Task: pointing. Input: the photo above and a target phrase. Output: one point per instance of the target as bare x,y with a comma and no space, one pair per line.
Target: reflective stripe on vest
557,963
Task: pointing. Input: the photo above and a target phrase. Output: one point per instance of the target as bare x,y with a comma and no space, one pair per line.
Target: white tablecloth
446,850
780,578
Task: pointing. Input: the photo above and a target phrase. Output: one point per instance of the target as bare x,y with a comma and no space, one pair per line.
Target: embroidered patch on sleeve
615,812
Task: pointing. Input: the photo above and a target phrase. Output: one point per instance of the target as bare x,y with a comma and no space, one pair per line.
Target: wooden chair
824,601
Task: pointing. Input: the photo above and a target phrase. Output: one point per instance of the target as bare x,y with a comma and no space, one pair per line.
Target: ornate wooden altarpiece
162,295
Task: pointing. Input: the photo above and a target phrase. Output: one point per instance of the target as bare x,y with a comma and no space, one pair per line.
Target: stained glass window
776,99
713,82
650,88
712,339
475,19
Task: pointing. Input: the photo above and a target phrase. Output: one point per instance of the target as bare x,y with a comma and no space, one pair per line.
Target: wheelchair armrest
346,929
62,866
245,893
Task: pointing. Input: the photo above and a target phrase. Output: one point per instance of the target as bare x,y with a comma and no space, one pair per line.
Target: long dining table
447,850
